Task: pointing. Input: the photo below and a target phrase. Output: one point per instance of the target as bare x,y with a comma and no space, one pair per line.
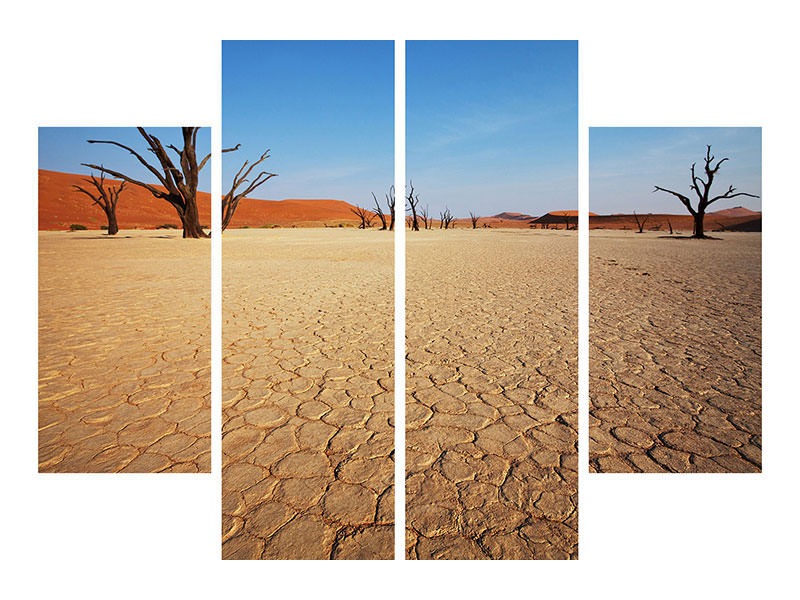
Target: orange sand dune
511,220
683,223
296,213
567,213
60,205
512,216
736,211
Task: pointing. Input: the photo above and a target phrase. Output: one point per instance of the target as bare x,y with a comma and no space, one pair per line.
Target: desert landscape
124,352
124,312
675,352
491,404
308,411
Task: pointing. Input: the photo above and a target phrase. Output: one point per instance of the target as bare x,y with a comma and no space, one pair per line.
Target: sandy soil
491,413
308,440
675,353
124,354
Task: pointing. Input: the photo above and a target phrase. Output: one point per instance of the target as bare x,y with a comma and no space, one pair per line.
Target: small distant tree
474,218
105,197
379,212
702,188
423,215
178,185
390,203
230,201
641,220
364,215
413,201
670,226
446,218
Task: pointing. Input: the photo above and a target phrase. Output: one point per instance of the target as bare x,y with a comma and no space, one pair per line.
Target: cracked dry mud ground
308,412
124,354
491,406
675,353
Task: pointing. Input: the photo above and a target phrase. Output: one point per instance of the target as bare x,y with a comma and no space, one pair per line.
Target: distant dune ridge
729,219
60,206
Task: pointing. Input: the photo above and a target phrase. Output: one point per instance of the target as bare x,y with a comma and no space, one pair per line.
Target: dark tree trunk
191,222
702,188
113,228
178,186
698,225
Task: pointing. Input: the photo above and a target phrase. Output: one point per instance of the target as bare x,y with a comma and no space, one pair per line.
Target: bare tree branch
703,200
180,184
230,201
379,212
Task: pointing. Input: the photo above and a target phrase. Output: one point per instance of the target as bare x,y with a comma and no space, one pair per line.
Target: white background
158,63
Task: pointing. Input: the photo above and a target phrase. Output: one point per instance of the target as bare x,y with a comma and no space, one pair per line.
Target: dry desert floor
124,354
675,353
308,440
491,407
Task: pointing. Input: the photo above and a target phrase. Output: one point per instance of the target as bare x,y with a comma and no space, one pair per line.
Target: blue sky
626,163
65,148
492,126
325,109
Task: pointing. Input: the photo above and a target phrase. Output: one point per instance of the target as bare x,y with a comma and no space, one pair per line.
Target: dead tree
105,198
230,201
670,226
704,194
474,218
390,203
640,223
446,218
179,184
423,215
365,216
379,212
413,201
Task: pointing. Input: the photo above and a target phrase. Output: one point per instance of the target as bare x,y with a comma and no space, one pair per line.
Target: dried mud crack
124,354
491,413
308,439
675,357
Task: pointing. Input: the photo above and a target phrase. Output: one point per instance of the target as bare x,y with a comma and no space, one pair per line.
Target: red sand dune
567,213
512,216
736,211
60,205
680,223
295,213
509,220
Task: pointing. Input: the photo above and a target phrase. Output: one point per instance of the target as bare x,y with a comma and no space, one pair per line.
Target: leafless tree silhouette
423,215
106,198
379,212
703,195
640,221
179,184
446,218
365,216
230,201
670,226
474,218
390,202
413,201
